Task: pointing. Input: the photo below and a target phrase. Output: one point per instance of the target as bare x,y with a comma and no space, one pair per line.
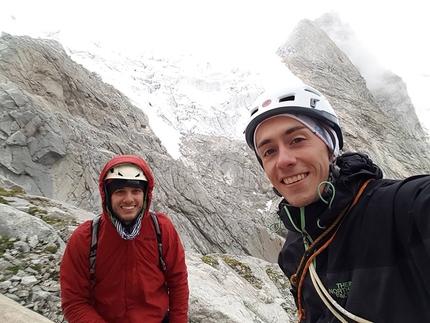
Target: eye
137,191
119,191
268,152
298,140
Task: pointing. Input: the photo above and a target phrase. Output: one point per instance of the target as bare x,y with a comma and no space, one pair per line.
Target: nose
128,197
285,158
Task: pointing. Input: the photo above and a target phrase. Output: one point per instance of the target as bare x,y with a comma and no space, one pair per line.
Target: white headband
318,128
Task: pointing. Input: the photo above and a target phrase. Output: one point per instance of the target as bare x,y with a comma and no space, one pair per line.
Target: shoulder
408,188
415,188
81,233
162,218
400,198
417,182
166,224
78,244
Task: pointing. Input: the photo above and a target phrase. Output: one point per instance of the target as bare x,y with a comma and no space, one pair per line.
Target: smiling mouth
294,179
127,207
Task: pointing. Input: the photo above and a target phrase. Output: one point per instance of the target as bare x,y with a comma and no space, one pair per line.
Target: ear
331,156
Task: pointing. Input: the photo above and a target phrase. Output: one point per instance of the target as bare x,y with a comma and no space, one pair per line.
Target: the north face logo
341,290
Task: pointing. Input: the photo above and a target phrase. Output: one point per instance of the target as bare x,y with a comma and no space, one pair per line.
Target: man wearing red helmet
130,283
358,246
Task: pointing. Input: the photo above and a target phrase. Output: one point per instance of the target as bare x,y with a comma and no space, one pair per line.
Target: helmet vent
312,91
288,98
313,102
254,111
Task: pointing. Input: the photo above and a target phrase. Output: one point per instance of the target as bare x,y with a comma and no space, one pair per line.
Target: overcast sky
225,28
234,31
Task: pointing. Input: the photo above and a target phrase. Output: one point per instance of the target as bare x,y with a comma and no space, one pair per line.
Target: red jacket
130,287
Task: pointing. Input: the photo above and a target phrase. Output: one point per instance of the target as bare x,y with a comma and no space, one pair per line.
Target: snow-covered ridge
182,95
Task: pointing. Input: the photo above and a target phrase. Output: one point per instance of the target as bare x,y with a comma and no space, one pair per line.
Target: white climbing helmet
126,171
300,99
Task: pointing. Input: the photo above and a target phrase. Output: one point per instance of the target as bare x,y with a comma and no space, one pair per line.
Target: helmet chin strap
276,191
333,175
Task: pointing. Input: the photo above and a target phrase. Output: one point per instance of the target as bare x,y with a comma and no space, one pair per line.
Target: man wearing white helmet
358,245
138,272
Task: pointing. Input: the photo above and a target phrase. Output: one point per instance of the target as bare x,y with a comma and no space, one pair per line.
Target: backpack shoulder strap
160,243
95,224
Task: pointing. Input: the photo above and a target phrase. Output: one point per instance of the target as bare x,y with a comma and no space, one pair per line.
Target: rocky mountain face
59,129
60,123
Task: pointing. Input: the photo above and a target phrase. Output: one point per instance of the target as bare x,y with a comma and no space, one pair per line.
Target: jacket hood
351,170
356,167
131,159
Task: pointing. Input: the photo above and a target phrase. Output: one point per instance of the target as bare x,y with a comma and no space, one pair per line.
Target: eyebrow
287,132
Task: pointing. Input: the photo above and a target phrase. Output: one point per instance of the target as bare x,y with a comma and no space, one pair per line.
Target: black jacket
378,264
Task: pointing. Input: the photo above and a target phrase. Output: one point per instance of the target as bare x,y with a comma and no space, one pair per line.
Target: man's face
126,203
295,160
